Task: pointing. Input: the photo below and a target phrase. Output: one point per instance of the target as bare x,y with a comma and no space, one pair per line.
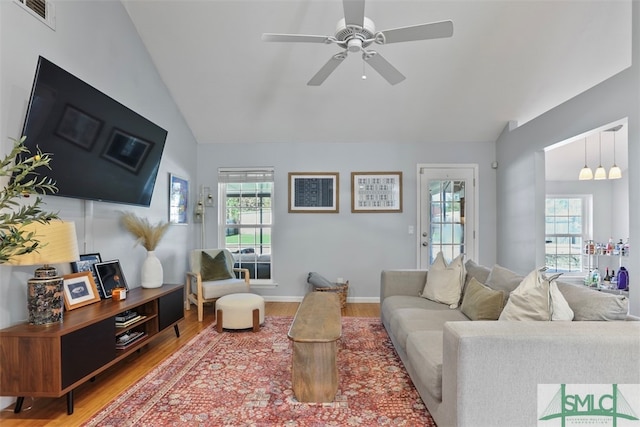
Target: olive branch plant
22,180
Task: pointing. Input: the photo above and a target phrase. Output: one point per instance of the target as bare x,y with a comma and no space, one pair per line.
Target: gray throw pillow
503,279
214,268
590,304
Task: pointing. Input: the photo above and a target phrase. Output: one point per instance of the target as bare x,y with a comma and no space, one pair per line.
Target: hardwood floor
90,397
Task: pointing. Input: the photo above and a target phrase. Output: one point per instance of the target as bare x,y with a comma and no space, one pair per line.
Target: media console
51,360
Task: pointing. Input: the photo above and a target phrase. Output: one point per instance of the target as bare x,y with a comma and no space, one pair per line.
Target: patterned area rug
244,379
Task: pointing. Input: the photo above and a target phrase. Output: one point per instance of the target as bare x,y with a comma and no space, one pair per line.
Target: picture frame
178,200
86,263
78,127
376,192
314,192
79,289
126,150
110,276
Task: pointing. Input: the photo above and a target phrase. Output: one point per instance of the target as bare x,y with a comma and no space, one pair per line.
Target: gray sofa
486,372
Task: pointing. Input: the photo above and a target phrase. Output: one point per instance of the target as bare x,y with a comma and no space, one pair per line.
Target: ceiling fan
355,33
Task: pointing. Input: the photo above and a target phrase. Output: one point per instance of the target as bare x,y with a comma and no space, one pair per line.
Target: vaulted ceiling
507,60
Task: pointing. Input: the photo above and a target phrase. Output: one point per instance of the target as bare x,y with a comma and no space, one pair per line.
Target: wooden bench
314,332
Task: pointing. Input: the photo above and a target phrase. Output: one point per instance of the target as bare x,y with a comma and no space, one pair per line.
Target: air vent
41,9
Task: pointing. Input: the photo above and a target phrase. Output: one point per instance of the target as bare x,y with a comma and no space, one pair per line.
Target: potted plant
148,235
18,170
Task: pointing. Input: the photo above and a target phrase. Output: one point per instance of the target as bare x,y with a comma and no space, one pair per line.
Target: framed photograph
78,127
79,290
127,150
86,263
376,192
110,276
313,192
178,200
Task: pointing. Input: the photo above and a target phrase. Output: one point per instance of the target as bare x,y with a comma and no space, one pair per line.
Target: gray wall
97,42
520,178
353,246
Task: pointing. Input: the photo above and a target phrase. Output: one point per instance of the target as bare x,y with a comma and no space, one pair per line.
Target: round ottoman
240,311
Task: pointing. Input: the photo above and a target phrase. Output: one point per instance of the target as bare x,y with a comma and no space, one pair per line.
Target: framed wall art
178,200
376,192
313,192
110,276
79,290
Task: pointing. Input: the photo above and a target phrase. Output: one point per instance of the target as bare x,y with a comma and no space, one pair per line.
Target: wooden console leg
219,321
176,330
256,320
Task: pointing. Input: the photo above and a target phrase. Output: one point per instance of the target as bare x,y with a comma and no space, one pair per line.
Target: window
567,228
246,219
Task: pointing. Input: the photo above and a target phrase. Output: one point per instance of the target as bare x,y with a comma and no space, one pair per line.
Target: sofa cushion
444,282
589,304
503,279
481,302
479,272
424,352
537,298
214,268
409,320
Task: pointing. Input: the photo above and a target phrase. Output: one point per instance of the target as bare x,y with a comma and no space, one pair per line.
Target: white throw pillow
444,282
537,298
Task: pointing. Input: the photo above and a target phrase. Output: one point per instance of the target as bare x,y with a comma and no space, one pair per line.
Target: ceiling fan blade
353,12
433,30
304,38
383,67
327,69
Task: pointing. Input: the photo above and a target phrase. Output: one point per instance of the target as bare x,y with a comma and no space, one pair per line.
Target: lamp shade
615,172
601,173
58,244
585,173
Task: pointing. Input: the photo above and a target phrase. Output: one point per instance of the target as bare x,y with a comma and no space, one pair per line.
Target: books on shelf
130,321
126,315
125,340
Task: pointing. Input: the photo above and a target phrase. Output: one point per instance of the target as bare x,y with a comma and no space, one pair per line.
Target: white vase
151,271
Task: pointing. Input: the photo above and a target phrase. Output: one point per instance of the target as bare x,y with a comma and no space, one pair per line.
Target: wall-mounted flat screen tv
101,150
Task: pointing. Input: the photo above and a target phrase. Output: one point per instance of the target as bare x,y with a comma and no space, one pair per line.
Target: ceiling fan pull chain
364,75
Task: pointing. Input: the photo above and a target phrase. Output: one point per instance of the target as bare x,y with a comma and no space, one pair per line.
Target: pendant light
600,172
585,172
614,172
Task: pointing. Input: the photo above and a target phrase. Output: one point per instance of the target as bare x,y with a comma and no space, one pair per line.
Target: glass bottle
606,282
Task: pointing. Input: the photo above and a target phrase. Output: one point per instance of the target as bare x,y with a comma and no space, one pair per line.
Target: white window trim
587,223
254,283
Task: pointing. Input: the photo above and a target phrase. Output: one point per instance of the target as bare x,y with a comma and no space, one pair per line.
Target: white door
446,212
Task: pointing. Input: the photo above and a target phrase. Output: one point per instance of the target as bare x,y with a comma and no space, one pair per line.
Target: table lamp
58,244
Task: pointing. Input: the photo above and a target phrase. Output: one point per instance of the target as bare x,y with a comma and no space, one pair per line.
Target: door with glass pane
447,213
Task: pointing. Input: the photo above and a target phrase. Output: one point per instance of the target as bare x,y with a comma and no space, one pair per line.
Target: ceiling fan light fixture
354,45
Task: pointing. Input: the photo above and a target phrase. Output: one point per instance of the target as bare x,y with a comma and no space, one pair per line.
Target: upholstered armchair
212,276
